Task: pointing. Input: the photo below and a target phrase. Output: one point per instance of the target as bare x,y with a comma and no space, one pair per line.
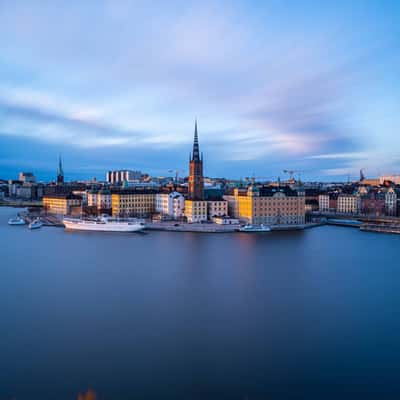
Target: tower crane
177,172
253,178
362,176
291,173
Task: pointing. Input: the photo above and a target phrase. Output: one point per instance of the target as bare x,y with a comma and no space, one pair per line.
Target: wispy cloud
265,83
339,156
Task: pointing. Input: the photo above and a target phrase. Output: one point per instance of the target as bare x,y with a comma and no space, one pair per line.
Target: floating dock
381,228
353,223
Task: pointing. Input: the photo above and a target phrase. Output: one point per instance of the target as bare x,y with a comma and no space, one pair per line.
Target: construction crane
362,176
177,172
291,173
253,178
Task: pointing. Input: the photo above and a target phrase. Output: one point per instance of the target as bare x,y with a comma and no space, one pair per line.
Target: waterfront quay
195,227
391,225
369,224
366,223
216,228
168,226
381,228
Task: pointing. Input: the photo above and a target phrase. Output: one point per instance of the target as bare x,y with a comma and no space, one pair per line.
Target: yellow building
196,210
133,203
60,203
267,205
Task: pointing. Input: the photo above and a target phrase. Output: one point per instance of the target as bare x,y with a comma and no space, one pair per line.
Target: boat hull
35,226
255,229
22,222
103,227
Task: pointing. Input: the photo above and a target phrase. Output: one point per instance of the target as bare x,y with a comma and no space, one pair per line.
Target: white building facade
121,176
391,202
171,204
348,204
323,202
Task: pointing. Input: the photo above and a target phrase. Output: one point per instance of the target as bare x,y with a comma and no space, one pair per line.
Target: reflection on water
185,315
89,395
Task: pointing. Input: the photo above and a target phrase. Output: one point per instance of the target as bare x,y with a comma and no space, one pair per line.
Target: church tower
196,182
60,172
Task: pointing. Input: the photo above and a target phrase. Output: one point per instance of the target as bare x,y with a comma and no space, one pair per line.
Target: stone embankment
381,228
56,221
184,227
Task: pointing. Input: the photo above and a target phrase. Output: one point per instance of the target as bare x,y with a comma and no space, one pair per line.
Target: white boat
255,228
103,224
35,224
16,221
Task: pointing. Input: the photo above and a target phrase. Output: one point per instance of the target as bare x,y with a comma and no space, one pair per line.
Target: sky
311,86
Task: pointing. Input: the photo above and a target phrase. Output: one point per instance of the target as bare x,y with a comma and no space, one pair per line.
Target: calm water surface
299,315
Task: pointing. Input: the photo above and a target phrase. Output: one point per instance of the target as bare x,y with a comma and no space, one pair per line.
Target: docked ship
255,228
103,224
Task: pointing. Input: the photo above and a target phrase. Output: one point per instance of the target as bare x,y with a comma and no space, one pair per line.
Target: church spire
196,180
60,172
196,151
60,168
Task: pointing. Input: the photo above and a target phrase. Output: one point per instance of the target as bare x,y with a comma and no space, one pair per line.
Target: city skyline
309,87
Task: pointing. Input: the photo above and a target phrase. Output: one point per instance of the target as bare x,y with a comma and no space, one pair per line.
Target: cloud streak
265,83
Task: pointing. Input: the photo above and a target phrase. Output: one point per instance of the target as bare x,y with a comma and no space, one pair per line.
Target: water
297,315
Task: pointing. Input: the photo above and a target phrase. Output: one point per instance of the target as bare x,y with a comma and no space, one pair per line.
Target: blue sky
274,85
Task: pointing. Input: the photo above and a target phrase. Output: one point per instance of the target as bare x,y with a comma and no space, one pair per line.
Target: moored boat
35,224
16,221
103,224
255,228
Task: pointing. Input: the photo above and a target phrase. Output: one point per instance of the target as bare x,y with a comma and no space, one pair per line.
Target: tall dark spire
196,151
196,180
60,168
60,172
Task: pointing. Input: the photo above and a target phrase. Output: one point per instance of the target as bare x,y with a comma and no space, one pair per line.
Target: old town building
373,203
391,202
267,205
100,199
217,208
133,203
59,203
348,203
170,204
195,210
323,202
